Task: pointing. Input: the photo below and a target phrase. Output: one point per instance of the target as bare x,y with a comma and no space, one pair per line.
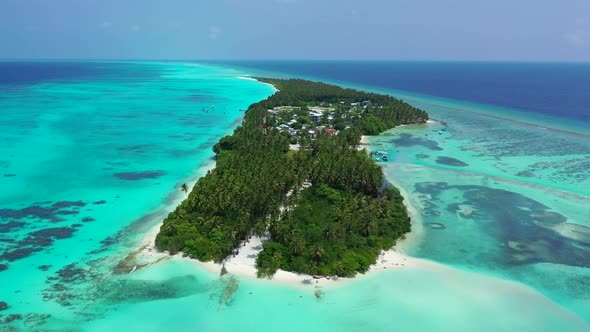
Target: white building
315,116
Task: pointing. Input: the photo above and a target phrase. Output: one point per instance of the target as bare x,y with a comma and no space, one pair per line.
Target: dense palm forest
324,206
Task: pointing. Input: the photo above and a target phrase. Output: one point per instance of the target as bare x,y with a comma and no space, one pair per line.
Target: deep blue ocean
559,89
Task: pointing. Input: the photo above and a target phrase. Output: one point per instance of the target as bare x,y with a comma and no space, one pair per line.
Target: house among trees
332,132
315,116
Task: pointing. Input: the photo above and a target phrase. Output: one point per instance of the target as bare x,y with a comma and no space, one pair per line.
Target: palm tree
331,233
318,253
371,228
297,245
184,188
260,227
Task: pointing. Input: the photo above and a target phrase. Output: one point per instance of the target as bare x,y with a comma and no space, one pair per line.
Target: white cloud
106,25
214,32
135,28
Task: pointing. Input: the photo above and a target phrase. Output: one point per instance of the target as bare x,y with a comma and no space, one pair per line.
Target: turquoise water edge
89,167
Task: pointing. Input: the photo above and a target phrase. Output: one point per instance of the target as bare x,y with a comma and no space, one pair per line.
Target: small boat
133,269
385,157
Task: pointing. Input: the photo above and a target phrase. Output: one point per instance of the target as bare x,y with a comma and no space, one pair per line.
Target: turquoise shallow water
415,300
116,148
85,162
498,197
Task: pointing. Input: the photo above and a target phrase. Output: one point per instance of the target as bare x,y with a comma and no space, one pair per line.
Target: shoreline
244,263
174,198
253,79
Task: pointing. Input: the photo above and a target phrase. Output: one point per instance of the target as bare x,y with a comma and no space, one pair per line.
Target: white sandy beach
365,142
253,79
244,264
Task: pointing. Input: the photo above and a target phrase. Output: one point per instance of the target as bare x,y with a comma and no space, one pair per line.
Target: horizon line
299,60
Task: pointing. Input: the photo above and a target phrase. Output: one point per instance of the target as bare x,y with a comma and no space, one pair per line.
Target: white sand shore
253,79
244,263
365,142
417,232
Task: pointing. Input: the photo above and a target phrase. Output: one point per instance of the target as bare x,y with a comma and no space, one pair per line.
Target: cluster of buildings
317,119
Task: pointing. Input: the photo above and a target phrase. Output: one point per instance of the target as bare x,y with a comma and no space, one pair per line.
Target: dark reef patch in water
3,305
3,267
36,241
529,231
88,219
67,204
451,161
44,267
9,175
67,212
101,202
422,156
34,211
409,140
9,226
49,233
108,241
71,273
17,254
11,318
38,210
526,174
134,176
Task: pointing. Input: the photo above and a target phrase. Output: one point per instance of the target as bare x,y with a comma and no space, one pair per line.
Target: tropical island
292,171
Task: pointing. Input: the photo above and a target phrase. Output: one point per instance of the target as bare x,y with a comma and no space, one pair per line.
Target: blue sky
498,30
